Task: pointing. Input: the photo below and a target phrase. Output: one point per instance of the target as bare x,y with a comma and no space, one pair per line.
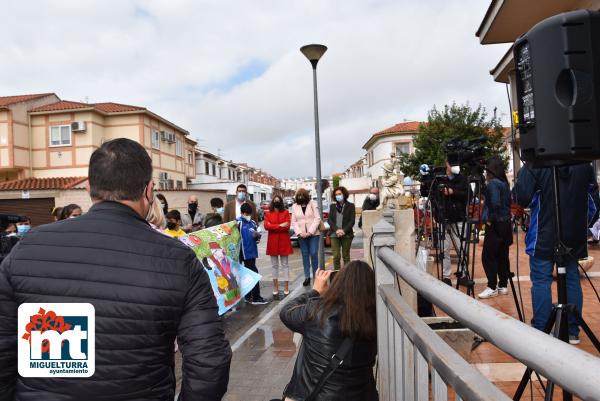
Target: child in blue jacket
250,233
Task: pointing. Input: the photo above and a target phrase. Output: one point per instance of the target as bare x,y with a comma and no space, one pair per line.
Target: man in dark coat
371,203
578,203
147,289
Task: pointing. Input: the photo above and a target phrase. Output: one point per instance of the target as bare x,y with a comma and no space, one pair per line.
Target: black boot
306,282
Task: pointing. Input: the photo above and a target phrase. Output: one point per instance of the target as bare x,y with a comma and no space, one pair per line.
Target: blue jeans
310,251
541,291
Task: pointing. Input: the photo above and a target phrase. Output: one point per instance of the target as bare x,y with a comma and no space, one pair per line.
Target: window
155,139
190,158
179,184
402,148
229,174
178,147
207,168
60,135
214,170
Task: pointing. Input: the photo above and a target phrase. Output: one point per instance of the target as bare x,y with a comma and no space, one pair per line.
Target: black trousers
251,264
497,240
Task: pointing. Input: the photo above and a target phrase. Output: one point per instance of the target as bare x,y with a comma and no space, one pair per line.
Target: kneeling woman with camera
336,319
498,230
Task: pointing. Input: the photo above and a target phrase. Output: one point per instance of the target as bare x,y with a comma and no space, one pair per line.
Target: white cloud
387,61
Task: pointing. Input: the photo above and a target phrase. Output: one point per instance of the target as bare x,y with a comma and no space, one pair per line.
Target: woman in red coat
279,246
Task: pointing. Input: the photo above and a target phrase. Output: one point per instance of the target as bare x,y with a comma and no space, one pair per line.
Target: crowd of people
149,290
124,262
579,204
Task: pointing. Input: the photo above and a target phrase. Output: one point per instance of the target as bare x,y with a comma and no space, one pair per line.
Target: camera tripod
558,323
469,236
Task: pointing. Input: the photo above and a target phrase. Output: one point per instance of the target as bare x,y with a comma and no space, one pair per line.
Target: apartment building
42,136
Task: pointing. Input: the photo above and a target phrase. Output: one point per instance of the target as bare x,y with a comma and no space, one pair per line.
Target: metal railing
413,359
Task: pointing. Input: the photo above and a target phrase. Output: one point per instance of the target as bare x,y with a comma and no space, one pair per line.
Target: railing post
383,236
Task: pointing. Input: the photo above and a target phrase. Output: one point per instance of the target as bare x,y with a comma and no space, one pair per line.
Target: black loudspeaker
558,88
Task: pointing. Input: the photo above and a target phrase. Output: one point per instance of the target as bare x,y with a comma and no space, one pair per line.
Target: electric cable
589,280
512,147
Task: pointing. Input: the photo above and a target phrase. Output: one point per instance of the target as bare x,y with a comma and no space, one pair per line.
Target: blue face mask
339,198
23,229
220,210
241,196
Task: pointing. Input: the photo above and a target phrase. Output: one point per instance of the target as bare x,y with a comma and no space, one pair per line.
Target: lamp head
313,53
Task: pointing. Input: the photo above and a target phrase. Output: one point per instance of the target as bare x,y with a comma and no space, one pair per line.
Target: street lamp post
314,53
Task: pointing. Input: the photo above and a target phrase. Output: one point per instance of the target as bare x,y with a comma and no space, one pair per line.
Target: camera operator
455,199
534,190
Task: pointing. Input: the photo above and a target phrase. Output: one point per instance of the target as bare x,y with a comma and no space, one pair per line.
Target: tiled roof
111,107
402,128
62,105
409,126
41,183
8,100
107,107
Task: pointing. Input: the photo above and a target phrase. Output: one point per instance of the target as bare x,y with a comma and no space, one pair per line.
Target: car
289,201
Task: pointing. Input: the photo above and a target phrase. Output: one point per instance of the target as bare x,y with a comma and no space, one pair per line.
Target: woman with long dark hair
279,246
70,211
498,230
163,203
329,317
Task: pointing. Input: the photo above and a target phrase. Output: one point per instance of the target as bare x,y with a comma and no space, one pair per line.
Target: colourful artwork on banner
218,249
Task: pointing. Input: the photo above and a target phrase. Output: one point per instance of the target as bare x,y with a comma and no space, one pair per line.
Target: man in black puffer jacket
146,288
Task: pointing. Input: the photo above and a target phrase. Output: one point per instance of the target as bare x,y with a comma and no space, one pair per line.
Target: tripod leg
585,327
549,392
527,375
514,293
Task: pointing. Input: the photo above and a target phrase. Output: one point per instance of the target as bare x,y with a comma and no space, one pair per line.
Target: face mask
171,225
372,197
162,205
339,198
241,196
193,206
302,201
247,218
455,169
220,210
278,205
23,229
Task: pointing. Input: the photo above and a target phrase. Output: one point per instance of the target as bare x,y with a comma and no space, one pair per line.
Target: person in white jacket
305,222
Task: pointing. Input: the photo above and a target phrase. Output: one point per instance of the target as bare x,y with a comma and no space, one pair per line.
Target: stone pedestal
405,247
453,333
369,219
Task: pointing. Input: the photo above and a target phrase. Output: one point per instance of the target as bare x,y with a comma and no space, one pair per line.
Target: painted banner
218,249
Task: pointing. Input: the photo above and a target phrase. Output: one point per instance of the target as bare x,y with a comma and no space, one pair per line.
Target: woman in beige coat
305,222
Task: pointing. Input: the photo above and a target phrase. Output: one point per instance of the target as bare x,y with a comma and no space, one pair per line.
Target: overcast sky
231,73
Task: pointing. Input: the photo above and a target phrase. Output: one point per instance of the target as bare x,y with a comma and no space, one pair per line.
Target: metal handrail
463,377
572,369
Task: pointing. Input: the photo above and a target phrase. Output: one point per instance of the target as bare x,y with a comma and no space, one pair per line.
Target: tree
454,121
336,181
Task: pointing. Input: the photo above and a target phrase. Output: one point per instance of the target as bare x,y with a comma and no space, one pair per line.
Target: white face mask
455,170
372,197
248,218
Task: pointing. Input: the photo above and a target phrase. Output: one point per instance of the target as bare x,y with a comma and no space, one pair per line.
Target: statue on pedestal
391,182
